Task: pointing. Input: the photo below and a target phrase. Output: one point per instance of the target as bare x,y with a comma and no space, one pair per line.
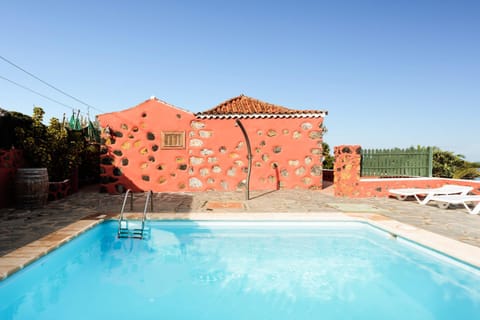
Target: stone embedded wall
348,183
287,153
59,190
347,170
131,153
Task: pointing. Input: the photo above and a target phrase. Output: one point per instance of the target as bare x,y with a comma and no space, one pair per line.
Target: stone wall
59,190
348,183
132,156
347,170
287,152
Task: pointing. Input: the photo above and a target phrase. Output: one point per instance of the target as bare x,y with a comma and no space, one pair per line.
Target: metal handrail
149,198
129,192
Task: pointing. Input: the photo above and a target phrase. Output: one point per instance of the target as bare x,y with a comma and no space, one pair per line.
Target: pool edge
22,257
463,252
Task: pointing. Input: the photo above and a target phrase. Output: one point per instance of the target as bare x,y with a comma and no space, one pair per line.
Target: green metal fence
411,162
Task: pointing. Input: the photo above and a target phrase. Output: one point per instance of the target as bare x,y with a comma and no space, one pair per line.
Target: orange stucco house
159,147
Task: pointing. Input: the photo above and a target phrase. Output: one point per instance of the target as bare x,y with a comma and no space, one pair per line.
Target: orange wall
215,155
286,153
346,170
380,187
133,148
348,183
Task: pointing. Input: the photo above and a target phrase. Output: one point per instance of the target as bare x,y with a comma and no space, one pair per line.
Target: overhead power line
48,84
55,88
56,101
37,93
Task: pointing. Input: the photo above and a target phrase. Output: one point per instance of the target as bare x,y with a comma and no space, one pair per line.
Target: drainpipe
249,156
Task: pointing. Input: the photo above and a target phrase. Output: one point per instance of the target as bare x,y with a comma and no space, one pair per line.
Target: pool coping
22,257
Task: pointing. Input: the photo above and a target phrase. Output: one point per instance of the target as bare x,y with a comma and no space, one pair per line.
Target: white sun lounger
445,200
447,189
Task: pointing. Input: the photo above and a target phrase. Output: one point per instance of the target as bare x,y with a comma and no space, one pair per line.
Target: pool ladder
134,228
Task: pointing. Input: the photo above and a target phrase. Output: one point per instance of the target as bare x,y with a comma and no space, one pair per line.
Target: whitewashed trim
321,114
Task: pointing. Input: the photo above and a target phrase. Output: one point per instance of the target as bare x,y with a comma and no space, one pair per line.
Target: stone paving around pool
21,227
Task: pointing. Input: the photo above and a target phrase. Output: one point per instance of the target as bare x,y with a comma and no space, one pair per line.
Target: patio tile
21,227
355,207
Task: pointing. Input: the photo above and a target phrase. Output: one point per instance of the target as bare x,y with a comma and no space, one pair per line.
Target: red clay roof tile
243,106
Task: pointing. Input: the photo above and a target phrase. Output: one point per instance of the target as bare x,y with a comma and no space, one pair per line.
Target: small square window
173,140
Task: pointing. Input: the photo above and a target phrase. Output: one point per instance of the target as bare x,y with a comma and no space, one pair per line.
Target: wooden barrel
31,187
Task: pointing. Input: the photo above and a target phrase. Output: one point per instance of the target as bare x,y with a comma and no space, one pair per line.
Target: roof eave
320,114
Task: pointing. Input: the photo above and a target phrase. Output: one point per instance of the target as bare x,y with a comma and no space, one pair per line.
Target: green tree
89,169
34,142
65,148
328,159
468,173
446,164
52,147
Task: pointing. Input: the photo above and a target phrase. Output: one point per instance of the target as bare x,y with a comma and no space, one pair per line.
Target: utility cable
37,93
51,86
48,84
56,101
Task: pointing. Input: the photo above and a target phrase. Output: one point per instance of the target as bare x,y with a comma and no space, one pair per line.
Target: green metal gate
411,162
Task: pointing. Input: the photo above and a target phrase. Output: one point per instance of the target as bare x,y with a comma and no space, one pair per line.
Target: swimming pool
243,270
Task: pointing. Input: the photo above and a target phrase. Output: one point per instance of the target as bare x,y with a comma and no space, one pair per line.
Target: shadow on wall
117,184
112,179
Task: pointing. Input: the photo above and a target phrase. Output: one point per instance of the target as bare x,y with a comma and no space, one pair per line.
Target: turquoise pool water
225,270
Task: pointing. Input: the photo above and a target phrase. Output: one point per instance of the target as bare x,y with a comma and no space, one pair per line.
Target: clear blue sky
391,73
